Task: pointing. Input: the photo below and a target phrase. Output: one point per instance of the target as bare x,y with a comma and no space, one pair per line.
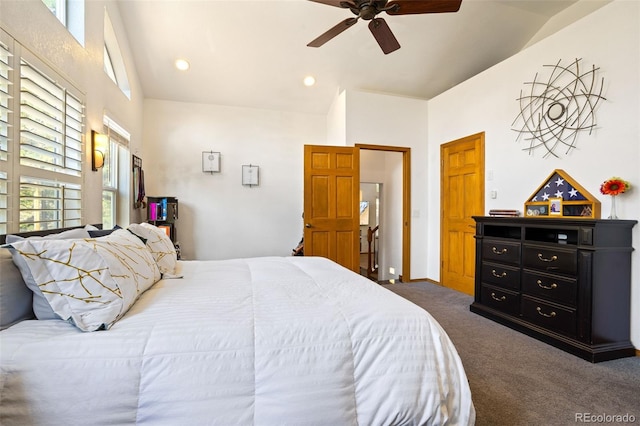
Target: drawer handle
551,315
547,287
499,299
553,258
502,275
495,250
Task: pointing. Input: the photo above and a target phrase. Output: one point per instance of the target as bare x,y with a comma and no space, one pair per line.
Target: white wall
38,30
220,218
337,120
378,119
610,39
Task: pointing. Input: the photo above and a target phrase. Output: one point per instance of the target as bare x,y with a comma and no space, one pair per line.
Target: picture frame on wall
250,175
210,162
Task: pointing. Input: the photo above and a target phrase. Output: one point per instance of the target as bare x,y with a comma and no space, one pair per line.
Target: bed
257,341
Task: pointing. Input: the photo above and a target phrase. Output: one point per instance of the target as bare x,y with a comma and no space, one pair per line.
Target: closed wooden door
462,196
331,204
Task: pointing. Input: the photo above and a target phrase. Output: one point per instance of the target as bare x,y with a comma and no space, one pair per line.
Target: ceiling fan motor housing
368,9
368,12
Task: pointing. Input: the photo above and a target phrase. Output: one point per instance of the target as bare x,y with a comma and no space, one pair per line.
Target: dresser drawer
500,299
551,259
551,287
501,251
549,315
501,275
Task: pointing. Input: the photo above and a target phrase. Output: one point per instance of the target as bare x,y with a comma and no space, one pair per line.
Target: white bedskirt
259,341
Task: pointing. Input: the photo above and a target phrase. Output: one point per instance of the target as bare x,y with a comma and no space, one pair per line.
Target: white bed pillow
90,282
159,244
41,307
64,235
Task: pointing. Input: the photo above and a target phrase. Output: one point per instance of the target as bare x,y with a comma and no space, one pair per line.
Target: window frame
112,189
41,193
7,118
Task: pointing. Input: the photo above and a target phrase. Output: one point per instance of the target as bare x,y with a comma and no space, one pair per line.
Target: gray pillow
15,298
41,306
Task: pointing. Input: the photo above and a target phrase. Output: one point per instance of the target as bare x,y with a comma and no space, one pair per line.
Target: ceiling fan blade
334,31
383,35
407,7
337,3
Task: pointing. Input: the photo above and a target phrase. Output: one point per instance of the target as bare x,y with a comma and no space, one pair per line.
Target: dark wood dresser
566,282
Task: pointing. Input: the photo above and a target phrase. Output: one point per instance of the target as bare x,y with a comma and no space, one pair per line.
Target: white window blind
46,204
50,124
41,143
5,85
50,150
5,110
3,202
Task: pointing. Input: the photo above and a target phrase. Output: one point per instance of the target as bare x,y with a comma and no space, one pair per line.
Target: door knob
308,225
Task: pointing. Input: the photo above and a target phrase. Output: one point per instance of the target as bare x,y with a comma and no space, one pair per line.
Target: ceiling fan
369,9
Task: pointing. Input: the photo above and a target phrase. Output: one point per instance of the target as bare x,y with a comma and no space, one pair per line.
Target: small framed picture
250,175
555,206
210,162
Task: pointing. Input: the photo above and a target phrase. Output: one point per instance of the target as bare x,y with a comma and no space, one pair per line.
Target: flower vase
613,214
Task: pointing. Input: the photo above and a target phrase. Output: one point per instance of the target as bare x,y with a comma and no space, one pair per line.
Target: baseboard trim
421,280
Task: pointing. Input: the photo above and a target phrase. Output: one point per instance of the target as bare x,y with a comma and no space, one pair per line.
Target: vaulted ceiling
254,53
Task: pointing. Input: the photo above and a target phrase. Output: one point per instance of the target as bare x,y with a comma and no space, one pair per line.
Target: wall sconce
99,145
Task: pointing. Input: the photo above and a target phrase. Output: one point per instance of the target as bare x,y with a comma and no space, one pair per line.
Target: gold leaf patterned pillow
90,282
159,244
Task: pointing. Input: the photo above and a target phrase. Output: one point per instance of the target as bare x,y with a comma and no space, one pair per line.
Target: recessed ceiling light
309,80
182,64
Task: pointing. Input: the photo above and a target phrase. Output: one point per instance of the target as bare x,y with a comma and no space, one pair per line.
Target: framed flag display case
561,196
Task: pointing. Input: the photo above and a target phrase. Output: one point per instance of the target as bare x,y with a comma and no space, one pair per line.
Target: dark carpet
518,380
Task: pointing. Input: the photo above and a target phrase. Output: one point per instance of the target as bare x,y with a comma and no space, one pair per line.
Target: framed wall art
210,162
250,175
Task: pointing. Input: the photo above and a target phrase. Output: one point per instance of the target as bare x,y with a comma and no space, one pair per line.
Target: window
6,107
110,186
46,204
58,8
108,65
5,96
41,130
41,185
113,62
115,195
71,14
50,124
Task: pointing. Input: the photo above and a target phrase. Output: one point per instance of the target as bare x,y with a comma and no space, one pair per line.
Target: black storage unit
566,282
163,213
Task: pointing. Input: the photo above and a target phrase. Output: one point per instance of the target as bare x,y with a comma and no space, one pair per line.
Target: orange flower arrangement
614,186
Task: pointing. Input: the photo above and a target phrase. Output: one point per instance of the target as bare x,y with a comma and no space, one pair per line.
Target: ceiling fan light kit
368,11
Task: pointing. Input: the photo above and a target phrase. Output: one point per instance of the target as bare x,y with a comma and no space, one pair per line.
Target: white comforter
262,341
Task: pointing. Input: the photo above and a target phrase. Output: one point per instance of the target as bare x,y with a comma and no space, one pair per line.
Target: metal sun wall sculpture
554,111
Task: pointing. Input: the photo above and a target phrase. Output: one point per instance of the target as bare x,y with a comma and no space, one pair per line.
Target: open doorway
384,183
370,206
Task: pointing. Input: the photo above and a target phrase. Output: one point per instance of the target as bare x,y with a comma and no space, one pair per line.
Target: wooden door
462,196
331,204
